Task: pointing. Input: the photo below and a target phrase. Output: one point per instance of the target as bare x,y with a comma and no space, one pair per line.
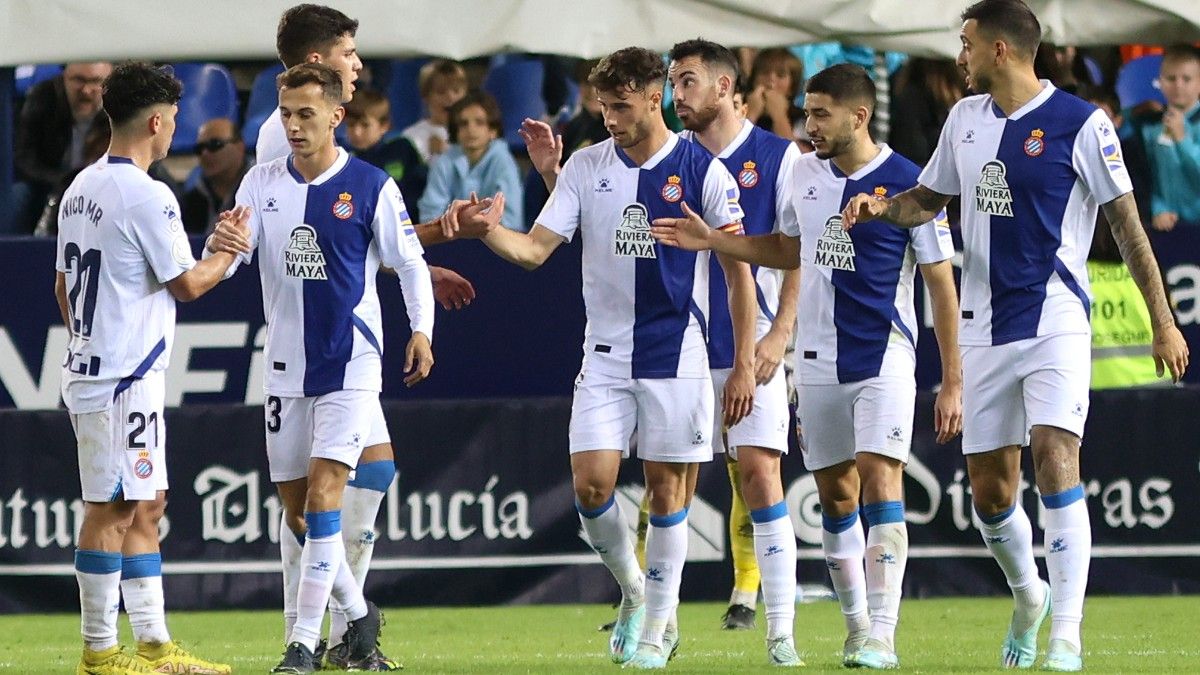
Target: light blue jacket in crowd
451,177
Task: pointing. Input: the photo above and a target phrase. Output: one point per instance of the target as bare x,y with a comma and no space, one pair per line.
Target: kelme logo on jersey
302,258
632,238
835,249
992,195
748,176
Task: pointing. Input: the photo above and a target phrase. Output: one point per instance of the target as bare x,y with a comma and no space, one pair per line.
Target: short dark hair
631,69
306,28
483,100
709,53
844,83
320,74
1181,52
369,103
134,86
1011,19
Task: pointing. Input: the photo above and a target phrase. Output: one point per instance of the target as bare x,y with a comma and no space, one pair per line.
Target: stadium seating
208,92
30,74
403,94
264,98
1137,82
516,82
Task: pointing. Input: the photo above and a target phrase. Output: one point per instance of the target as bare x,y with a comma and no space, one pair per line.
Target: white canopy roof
45,31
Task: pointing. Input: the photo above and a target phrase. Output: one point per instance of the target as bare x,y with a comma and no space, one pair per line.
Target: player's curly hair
631,69
308,28
319,74
134,86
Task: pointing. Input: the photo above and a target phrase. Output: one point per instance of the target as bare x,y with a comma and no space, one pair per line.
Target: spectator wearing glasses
223,162
59,121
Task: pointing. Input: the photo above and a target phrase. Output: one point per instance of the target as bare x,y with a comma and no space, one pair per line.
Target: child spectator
775,80
368,121
477,161
441,83
1172,142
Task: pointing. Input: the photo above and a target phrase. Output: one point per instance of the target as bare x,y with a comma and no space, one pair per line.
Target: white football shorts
122,449
873,415
334,426
767,424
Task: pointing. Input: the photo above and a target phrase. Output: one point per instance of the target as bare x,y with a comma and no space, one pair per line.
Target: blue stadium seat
404,96
30,74
1137,82
264,99
208,92
516,82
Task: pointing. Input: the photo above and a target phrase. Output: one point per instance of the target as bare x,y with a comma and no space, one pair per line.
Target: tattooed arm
907,209
1169,347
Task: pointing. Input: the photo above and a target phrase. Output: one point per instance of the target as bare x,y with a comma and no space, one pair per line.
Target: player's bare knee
882,478
380,452
590,492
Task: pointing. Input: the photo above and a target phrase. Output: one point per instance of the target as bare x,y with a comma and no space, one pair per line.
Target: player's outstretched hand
738,398
689,233
473,218
947,412
1170,351
862,207
545,148
418,359
232,232
450,288
768,354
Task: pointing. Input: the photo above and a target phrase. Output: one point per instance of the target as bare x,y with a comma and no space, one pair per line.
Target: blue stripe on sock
838,525
375,476
999,517
141,565
323,524
1064,498
668,520
97,562
881,513
599,510
770,513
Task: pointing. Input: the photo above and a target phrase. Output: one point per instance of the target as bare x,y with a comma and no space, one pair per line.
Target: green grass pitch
1125,635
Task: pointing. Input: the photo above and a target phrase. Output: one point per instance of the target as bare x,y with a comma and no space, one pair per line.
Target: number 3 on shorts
273,406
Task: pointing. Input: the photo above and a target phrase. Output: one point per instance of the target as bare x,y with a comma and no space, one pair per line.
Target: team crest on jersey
748,176
880,192
632,238
143,468
343,208
992,195
302,258
1034,145
672,191
835,249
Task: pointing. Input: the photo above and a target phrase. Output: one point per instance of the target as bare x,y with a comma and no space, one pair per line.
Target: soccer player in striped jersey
323,223
1032,165
855,347
123,260
645,365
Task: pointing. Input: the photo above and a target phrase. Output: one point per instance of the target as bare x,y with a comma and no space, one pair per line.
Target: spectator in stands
587,126
925,91
775,81
478,161
441,83
60,119
223,162
1172,142
368,121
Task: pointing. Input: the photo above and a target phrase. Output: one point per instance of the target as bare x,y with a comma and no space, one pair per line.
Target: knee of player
759,480
591,493
991,502
151,511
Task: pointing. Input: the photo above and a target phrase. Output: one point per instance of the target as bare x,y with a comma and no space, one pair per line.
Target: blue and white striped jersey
320,246
1031,184
856,287
647,304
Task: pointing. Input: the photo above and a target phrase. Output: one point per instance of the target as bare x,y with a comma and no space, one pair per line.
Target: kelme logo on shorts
302,258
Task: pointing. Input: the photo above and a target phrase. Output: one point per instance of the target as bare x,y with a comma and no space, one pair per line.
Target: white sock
775,549
1068,555
609,536
99,577
844,546
142,590
1009,538
886,558
666,551
290,548
360,510
348,595
323,555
